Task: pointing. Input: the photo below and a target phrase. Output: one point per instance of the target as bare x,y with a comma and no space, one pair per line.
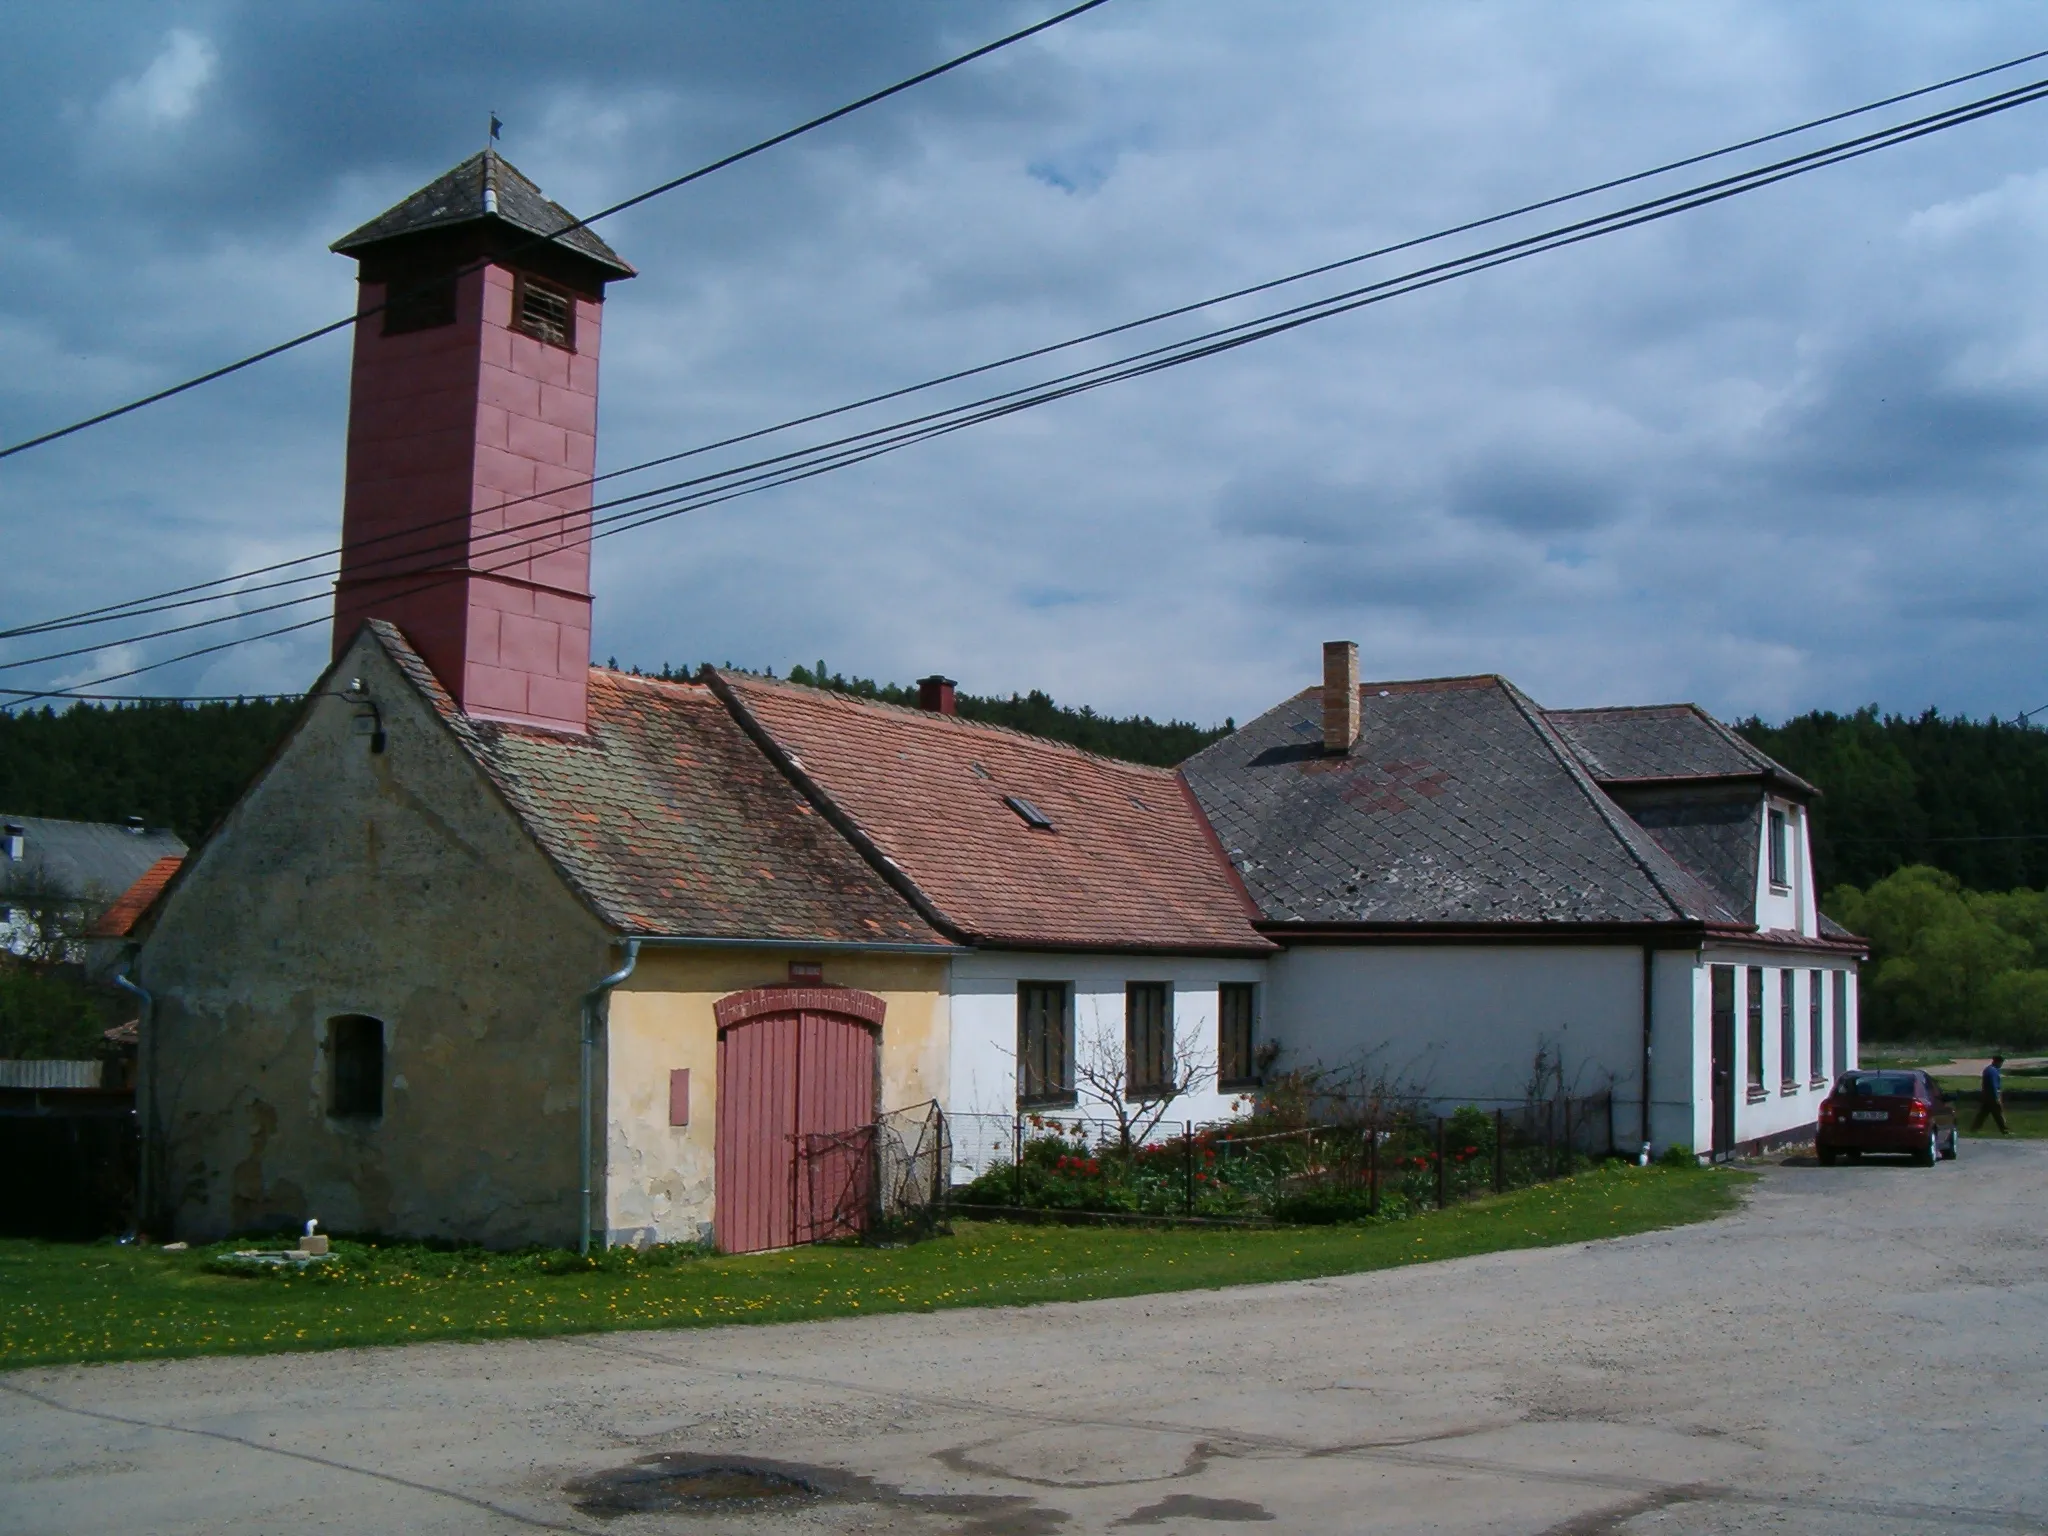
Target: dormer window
1780,849
544,312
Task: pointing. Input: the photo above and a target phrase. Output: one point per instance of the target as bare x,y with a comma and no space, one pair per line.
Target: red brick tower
472,426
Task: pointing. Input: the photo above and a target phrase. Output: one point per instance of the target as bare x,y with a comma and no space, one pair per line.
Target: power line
137,607
855,448
569,229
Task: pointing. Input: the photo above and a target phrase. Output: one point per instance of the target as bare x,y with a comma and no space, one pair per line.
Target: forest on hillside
1966,796
174,765
1969,797
1931,836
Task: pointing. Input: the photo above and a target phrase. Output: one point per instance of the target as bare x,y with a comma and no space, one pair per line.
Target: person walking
1992,1105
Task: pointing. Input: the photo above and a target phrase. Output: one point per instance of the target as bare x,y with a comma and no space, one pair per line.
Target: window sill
1051,1101
1779,888
1758,1095
1817,1082
1236,1084
1787,1090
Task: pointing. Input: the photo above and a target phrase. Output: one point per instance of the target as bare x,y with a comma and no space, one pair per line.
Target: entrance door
796,1088
1723,1052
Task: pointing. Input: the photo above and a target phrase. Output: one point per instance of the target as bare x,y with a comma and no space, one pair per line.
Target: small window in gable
1780,845
544,312
355,1057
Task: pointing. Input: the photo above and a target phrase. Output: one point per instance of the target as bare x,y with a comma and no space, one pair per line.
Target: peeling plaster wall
659,1177
395,885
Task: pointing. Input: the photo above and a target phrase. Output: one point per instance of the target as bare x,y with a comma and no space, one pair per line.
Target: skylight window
1032,815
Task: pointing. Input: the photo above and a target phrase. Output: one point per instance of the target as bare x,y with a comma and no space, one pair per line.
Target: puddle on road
730,1485
1192,1506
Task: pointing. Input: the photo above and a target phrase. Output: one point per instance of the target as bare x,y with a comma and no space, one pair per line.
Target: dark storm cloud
1783,452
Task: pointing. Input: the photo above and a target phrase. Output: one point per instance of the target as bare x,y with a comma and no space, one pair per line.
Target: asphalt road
1860,1350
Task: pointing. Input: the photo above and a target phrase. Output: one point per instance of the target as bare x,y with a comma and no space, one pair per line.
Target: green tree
1948,963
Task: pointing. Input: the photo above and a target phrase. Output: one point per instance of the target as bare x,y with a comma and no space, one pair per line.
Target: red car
1897,1110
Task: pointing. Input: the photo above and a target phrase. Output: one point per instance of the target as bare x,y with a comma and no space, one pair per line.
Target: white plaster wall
983,987
1780,1110
1461,1024
1790,907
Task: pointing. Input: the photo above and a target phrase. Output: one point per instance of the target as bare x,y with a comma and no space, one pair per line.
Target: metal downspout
591,1000
145,1097
1649,1021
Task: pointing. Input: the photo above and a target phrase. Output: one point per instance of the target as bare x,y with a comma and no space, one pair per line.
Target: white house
1463,882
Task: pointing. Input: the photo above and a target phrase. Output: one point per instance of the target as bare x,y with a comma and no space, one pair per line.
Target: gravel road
1860,1349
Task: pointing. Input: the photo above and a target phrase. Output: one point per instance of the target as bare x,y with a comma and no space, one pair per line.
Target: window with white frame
1788,1034
1816,1029
1755,1073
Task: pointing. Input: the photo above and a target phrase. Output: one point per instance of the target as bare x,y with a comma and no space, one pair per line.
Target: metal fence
887,1177
1408,1158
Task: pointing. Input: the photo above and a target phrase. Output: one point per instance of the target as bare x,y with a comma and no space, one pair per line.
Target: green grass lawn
2026,1117
71,1302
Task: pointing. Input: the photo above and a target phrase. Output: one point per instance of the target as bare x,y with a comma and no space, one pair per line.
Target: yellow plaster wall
658,1177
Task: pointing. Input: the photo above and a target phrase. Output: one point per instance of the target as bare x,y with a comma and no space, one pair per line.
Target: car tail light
1828,1111
1916,1111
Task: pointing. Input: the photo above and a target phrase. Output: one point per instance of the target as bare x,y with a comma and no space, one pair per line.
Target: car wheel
1954,1149
1930,1154
1826,1156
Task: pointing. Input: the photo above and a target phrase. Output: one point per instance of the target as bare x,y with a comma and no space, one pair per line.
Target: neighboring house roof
948,805
1459,805
118,921
85,861
670,822
1666,741
485,186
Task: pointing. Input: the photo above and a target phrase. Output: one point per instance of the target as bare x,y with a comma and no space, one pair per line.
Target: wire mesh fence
1394,1160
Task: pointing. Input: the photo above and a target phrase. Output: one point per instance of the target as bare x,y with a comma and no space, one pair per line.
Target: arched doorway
796,1107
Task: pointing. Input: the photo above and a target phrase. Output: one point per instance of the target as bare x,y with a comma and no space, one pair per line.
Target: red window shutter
679,1096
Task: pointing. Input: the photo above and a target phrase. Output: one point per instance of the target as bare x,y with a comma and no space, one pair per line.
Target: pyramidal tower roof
485,187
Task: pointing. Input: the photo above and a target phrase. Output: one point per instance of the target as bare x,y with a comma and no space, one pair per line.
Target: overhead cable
568,229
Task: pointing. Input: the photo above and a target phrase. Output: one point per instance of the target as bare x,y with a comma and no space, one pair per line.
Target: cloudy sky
1782,453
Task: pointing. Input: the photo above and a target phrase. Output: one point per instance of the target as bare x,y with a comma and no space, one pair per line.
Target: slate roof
1460,804
1127,863
670,822
461,196
83,860
118,921
1666,741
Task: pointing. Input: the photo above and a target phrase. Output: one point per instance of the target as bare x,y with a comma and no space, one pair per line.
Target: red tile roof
1128,862
118,921
669,821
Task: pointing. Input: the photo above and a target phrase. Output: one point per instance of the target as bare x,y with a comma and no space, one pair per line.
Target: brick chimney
472,422
935,693
1340,695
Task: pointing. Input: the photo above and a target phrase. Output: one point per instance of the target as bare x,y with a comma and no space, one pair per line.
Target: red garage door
796,1093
